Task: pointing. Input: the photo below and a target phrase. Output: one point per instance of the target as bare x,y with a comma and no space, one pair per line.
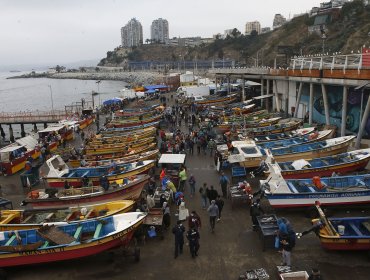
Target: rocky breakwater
133,78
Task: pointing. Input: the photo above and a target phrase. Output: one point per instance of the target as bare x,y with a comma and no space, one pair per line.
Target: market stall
172,163
268,228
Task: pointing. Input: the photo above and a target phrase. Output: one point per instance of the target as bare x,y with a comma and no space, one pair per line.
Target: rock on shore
133,78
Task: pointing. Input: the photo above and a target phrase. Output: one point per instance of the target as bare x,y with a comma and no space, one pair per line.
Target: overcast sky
61,31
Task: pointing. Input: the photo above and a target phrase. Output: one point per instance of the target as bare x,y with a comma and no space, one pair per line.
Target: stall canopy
172,158
114,100
151,91
154,87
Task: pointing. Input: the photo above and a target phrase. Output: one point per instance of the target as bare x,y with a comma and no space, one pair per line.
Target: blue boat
340,190
299,140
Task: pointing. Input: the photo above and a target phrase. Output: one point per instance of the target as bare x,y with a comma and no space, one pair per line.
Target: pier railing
32,117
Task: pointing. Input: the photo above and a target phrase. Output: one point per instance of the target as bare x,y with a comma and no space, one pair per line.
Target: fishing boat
299,140
111,136
68,241
330,191
14,157
325,166
116,155
59,173
350,233
217,99
114,129
27,219
65,132
94,149
128,188
278,136
273,129
241,124
248,154
133,123
153,154
137,112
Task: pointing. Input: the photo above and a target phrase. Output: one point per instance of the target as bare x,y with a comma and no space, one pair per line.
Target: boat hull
293,200
325,171
58,182
131,191
59,253
345,244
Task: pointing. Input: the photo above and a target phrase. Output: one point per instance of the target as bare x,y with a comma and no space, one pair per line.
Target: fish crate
238,174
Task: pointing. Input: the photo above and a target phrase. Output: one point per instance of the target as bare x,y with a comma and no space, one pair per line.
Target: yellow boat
29,219
124,137
125,159
117,149
121,145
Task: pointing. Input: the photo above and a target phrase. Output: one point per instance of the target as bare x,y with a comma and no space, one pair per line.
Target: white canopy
300,163
172,158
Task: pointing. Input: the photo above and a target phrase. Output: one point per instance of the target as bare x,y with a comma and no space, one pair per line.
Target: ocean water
39,93
33,94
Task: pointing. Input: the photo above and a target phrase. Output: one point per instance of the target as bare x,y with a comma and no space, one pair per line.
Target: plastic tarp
150,91
154,87
300,164
114,100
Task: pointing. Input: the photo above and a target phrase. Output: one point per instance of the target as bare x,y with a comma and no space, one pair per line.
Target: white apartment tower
132,34
252,26
159,31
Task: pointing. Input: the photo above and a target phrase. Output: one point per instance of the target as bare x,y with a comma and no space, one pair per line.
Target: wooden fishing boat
127,159
299,140
114,129
325,166
86,122
130,152
350,233
64,131
217,99
250,117
273,129
68,241
140,116
137,112
145,132
133,123
279,136
94,149
331,191
248,154
55,198
235,125
59,173
13,157
27,219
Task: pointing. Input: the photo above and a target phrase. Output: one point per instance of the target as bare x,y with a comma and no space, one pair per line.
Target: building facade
132,34
252,26
159,31
279,20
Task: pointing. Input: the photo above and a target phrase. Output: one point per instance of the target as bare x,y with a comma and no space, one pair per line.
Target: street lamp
51,96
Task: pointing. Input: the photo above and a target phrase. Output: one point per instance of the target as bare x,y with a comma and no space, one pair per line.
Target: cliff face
346,31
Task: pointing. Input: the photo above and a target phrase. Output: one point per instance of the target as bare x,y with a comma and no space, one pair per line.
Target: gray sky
61,31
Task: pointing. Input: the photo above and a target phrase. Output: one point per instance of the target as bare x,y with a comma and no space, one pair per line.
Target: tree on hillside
236,33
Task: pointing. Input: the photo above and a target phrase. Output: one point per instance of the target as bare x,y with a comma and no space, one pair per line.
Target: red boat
68,241
52,198
13,157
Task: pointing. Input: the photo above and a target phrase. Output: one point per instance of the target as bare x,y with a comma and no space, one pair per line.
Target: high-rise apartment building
159,31
279,20
132,34
252,26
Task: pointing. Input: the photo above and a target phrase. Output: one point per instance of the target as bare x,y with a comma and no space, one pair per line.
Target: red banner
365,57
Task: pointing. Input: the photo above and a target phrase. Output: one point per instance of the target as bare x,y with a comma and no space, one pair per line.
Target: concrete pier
11,135
23,133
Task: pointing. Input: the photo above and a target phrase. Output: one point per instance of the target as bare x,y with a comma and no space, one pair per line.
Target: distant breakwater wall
132,78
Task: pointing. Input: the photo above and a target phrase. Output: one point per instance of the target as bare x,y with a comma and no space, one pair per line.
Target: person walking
213,214
183,177
220,204
178,230
192,185
203,195
166,215
224,181
212,194
211,146
193,237
194,220
255,211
